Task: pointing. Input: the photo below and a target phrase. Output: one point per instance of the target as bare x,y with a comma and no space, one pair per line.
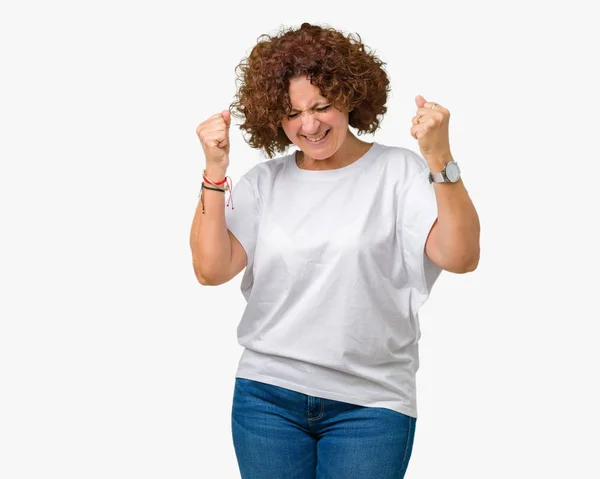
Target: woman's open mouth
317,140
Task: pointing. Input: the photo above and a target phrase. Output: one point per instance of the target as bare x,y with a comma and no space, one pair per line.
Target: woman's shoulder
402,162
401,153
263,174
266,167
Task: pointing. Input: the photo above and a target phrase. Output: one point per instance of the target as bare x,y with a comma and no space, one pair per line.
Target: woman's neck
348,153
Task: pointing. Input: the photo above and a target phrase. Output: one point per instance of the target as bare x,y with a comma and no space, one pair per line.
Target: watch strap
438,177
442,176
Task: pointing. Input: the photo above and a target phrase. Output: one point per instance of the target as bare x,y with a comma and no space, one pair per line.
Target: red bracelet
228,187
212,182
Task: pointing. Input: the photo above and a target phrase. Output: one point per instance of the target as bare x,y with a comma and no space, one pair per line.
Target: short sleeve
243,215
419,213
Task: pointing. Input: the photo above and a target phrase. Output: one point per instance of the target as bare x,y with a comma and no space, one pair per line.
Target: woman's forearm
209,240
455,244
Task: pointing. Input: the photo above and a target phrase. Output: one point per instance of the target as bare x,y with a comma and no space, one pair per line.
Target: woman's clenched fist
214,137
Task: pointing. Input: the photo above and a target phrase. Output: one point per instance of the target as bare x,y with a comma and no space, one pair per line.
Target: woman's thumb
226,114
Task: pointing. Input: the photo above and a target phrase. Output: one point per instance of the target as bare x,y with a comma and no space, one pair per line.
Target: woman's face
314,124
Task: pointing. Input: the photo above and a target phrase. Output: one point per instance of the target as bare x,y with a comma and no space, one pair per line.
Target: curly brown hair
344,70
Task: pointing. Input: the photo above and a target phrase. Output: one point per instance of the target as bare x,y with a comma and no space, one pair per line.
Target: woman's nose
310,124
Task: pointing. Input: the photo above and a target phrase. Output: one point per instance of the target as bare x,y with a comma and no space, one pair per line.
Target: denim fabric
279,433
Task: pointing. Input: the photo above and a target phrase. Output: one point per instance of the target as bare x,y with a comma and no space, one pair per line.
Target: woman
342,241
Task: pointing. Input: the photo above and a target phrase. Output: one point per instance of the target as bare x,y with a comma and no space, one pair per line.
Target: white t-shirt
336,275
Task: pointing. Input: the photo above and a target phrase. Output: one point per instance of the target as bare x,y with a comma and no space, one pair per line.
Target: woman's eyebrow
314,105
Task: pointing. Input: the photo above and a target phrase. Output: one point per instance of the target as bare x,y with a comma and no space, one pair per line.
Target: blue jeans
279,433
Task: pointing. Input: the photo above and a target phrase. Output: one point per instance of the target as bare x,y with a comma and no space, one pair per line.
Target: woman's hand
214,137
430,128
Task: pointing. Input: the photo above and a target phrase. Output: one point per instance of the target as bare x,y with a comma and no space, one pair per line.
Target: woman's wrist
215,174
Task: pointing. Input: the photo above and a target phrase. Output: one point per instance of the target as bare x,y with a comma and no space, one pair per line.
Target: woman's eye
324,108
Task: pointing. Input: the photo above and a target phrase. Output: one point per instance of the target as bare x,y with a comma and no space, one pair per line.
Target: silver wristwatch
450,174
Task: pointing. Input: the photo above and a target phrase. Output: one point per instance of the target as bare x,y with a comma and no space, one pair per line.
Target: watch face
452,171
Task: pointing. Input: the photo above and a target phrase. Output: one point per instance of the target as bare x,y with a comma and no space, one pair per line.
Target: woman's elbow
461,265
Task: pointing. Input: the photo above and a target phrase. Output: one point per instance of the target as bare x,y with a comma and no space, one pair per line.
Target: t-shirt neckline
338,172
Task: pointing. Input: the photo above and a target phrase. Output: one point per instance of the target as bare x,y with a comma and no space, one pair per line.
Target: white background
116,363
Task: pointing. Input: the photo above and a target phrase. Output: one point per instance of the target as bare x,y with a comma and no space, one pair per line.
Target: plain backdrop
116,363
